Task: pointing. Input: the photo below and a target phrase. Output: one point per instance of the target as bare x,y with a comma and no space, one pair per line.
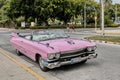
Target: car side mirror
31,37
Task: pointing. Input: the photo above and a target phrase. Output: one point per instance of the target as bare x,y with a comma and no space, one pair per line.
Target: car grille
75,53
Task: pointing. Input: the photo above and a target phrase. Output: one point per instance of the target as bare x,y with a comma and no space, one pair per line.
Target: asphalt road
105,67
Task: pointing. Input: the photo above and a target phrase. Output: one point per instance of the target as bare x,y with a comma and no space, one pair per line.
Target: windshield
47,35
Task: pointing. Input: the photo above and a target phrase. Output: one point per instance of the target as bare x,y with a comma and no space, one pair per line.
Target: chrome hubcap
40,63
17,51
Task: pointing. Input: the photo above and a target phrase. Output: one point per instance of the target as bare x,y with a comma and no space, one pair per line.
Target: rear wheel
42,67
18,52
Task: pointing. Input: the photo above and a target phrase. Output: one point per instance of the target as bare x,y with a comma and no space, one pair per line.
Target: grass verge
114,39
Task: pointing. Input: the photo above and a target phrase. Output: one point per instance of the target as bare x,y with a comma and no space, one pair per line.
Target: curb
109,32
77,33
99,41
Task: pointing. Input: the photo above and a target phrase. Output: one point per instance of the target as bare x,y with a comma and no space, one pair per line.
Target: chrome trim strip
73,55
72,51
58,63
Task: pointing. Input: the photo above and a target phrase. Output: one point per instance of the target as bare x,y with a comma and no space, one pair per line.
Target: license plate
75,60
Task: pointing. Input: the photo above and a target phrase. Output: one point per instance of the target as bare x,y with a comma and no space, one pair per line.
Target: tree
91,11
42,11
27,9
108,6
21,8
14,10
4,19
63,10
30,9
114,12
3,7
107,2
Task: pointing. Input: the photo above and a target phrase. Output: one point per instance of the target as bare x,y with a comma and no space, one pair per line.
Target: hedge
64,27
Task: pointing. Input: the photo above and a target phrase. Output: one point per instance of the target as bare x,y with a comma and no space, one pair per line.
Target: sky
114,1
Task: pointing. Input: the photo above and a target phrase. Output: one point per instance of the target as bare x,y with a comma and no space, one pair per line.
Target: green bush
23,27
37,27
113,25
17,27
46,27
57,27
19,20
64,27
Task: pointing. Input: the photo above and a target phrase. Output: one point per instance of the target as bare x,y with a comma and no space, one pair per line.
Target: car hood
65,44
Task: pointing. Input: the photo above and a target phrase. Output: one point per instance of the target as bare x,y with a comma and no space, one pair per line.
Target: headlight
91,48
57,56
51,56
54,56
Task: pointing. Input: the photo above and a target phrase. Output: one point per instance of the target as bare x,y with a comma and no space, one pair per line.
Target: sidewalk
12,68
6,29
109,31
11,71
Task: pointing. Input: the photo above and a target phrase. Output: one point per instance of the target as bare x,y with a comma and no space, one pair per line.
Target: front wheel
18,52
42,67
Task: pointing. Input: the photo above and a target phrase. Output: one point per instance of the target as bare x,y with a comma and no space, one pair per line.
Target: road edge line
22,66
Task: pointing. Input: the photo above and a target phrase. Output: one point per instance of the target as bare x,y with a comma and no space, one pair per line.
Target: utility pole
102,17
95,18
116,18
85,15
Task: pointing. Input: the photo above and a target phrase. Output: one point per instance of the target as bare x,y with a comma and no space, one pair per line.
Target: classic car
53,48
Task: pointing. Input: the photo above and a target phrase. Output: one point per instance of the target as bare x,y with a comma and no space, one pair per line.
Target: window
28,37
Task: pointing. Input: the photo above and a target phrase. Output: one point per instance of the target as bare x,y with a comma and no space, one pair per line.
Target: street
104,67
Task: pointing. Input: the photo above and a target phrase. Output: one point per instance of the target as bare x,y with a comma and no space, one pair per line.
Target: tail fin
15,34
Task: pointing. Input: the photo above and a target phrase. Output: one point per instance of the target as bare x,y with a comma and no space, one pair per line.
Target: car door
30,47
19,43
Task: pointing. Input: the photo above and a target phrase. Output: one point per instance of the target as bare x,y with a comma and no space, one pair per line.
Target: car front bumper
58,63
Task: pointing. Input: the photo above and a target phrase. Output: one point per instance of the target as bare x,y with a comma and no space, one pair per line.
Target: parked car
53,49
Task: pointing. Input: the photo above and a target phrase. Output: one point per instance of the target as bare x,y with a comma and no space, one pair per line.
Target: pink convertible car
53,49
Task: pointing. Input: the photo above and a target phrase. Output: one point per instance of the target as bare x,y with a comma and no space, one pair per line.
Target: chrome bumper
72,61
